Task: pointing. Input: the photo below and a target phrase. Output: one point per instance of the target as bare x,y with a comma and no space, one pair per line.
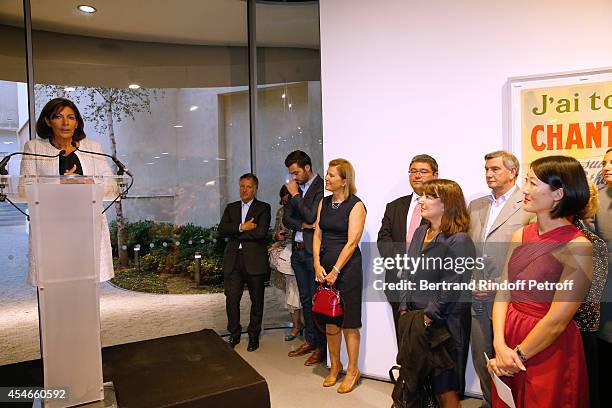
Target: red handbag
326,301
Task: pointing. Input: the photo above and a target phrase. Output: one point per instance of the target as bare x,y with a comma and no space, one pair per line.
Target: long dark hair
51,109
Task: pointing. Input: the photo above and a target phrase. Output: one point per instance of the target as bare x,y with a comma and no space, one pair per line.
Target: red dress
557,376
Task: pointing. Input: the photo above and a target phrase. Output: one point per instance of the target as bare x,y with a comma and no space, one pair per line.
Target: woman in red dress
538,348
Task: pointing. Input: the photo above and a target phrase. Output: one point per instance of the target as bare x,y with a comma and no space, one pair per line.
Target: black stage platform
189,370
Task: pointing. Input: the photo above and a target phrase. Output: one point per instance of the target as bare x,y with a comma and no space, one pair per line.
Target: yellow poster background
577,113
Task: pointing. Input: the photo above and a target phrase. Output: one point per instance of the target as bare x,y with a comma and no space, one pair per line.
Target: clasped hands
506,363
322,276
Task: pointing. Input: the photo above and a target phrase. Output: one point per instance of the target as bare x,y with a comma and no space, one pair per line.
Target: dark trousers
482,342
234,287
396,315
303,268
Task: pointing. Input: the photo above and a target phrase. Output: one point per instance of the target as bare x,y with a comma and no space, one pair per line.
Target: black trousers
234,287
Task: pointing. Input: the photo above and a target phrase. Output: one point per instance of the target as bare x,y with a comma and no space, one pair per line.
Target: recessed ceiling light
7,143
133,86
69,89
194,107
150,163
156,157
87,9
177,126
165,153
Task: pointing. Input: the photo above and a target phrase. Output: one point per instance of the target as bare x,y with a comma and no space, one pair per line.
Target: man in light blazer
246,224
306,189
493,220
401,219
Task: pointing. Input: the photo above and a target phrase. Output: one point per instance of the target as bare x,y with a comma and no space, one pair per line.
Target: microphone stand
4,176
121,170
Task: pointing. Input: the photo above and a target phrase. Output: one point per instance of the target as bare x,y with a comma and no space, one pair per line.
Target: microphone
6,159
120,166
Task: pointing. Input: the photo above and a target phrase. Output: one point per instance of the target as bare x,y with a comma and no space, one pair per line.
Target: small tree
104,106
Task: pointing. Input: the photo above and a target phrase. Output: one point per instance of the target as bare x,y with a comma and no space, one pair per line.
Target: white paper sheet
503,391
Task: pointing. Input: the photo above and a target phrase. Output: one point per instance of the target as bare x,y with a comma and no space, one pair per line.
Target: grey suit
493,247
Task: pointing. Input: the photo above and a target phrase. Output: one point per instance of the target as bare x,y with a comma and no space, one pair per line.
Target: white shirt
496,206
244,210
299,235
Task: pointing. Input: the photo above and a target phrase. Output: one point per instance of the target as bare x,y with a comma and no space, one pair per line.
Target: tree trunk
121,233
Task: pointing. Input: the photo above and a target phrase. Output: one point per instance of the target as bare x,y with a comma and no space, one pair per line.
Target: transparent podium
65,229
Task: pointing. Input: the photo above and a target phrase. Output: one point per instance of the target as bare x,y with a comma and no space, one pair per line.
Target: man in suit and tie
493,220
402,217
246,224
306,189
603,228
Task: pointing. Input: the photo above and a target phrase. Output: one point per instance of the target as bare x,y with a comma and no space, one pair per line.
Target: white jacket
92,165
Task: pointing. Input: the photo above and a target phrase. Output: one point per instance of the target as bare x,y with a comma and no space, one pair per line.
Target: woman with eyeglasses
439,316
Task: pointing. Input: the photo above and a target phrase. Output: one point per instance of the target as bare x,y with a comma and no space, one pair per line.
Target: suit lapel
313,187
484,215
403,215
510,208
251,210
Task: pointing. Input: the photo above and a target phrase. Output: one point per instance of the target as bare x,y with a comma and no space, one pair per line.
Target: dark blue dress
334,226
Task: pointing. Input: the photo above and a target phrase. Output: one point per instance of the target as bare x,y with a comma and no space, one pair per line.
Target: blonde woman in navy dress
337,261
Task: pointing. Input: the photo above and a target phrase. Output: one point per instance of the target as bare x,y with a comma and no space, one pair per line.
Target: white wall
407,77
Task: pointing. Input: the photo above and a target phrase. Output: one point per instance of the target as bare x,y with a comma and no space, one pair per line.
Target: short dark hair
566,173
425,158
299,157
252,177
51,109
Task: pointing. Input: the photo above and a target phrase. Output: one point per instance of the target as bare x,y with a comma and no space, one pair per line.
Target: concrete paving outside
126,316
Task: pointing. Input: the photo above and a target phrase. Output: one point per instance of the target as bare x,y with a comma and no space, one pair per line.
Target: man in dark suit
306,189
246,223
402,217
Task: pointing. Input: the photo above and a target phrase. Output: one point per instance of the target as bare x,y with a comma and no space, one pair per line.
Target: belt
299,245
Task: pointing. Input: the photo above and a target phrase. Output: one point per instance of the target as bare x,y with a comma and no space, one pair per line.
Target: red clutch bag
326,301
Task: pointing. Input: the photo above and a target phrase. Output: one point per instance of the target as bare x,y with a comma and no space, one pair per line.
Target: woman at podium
60,128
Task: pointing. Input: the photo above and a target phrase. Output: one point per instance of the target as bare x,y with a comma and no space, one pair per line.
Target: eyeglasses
423,172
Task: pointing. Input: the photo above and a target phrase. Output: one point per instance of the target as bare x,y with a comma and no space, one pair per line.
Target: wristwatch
520,353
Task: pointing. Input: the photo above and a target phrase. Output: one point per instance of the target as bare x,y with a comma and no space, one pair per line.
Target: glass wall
166,90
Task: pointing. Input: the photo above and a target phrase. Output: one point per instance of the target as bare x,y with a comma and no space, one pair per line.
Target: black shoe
253,344
233,341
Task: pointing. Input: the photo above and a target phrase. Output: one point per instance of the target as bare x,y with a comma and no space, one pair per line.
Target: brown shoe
302,350
348,386
331,379
315,358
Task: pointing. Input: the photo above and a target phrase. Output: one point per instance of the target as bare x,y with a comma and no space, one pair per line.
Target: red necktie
415,221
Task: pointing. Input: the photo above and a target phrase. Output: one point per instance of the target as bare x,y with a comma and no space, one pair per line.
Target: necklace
334,205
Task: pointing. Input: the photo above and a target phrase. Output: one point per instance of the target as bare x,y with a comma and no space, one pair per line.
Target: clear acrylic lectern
65,221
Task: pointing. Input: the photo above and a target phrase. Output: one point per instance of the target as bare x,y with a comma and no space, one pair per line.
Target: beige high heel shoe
344,389
330,380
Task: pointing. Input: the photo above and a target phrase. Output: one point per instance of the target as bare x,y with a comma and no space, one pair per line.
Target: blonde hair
347,172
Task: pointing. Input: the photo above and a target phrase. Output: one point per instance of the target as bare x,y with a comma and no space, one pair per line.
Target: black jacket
304,209
253,242
392,236
438,304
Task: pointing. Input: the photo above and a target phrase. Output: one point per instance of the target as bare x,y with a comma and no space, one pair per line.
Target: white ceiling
210,22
